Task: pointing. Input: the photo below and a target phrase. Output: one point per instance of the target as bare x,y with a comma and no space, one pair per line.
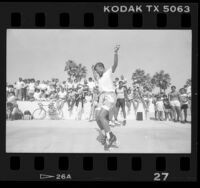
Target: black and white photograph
98,91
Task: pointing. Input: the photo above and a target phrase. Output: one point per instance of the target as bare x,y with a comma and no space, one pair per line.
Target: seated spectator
124,81
43,95
37,95
11,102
16,114
27,115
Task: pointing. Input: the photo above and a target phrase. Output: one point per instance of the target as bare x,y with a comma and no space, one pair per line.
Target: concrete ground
72,136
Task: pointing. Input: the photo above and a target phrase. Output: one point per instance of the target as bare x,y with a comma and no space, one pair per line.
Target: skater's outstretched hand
116,49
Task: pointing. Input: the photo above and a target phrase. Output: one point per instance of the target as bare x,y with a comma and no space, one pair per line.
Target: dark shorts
120,103
79,100
184,106
167,107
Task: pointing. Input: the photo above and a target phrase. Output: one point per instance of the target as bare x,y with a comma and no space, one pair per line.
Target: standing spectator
121,97
31,89
91,84
189,94
19,85
160,108
154,100
184,103
42,86
69,83
146,100
24,90
168,109
175,103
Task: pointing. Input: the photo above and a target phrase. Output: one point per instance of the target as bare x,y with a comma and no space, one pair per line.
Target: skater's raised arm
115,59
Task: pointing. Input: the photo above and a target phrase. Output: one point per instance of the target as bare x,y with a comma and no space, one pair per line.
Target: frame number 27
160,176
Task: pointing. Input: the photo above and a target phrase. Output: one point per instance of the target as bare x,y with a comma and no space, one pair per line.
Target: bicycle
54,112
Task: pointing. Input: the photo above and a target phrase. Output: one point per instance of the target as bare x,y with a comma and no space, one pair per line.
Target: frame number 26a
160,176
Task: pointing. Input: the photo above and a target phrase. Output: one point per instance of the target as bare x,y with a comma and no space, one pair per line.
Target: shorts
175,103
120,103
167,110
107,100
184,106
79,100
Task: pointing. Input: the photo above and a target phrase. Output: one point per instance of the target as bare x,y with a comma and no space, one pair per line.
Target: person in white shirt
107,98
62,95
19,86
69,84
91,84
160,108
37,95
184,100
42,86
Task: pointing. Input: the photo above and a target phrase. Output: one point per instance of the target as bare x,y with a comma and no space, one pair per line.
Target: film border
119,165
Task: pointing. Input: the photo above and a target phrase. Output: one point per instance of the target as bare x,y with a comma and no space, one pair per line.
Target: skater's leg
103,114
111,114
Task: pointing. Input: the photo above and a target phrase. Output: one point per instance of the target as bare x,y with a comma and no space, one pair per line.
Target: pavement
73,136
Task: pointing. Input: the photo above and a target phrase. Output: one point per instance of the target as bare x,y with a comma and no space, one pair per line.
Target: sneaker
106,147
112,139
124,122
111,123
117,123
102,139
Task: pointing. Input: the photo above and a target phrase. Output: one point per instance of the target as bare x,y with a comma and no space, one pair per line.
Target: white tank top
120,93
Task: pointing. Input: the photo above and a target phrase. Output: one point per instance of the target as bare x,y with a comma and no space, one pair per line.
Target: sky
42,53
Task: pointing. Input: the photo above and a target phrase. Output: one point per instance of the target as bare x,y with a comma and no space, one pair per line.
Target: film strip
97,166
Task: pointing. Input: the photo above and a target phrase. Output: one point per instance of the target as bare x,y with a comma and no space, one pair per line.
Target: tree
148,84
75,71
161,80
188,82
142,79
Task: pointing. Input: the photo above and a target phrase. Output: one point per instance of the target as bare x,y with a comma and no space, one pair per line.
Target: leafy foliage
75,71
